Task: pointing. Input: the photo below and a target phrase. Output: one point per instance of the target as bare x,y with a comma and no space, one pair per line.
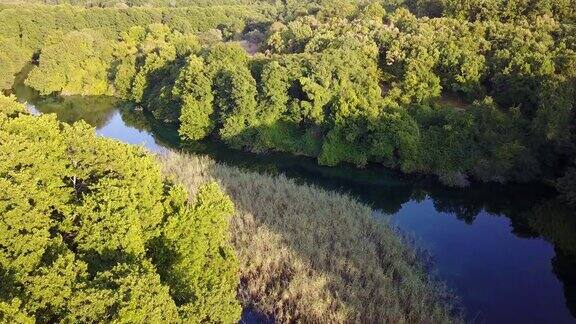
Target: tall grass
315,256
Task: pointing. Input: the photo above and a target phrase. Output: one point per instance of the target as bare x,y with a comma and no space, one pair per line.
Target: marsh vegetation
310,255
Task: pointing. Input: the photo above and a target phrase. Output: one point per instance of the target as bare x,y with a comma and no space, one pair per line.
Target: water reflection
95,110
556,223
509,251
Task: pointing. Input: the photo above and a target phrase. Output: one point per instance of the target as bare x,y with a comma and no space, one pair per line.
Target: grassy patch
310,255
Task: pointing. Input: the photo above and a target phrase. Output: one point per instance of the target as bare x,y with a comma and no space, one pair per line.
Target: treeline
139,3
501,10
463,95
26,29
489,99
31,25
91,231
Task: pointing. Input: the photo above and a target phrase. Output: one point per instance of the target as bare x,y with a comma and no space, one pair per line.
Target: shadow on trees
158,98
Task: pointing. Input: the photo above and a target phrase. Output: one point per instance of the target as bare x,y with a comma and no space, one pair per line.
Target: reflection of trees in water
563,267
497,199
534,211
556,222
96,110
164,135
135,118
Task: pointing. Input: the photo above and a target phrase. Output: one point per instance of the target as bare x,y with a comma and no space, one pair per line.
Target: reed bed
315,256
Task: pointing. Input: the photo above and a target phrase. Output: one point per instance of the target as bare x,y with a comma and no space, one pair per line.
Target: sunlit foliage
91,231
12,59
460,89
78,63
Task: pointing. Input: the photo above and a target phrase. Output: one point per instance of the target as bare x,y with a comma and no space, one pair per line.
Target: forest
467,91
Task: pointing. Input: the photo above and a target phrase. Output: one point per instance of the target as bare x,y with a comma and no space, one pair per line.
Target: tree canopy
457,88
91,231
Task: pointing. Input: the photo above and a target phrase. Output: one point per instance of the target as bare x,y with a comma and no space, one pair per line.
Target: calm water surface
508,252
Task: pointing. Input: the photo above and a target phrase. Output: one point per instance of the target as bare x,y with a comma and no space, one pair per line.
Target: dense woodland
461,89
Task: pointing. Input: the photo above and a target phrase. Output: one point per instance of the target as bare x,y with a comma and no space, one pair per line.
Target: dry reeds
315,256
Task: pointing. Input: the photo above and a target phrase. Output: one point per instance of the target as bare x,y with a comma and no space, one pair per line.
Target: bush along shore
314,256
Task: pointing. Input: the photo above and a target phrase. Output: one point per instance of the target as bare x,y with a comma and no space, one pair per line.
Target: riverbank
311,255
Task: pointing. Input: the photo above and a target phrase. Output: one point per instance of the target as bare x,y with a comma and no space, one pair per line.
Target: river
507,251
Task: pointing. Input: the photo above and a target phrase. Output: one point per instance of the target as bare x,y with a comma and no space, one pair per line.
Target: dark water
508,252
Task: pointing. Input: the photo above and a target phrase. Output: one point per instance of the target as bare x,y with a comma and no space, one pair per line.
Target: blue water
116,128
507,252
500,277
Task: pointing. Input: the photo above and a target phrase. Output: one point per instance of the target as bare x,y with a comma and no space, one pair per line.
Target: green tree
148,63
395,140
194,88
190,254
78,64
82,222
12,59
236,104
